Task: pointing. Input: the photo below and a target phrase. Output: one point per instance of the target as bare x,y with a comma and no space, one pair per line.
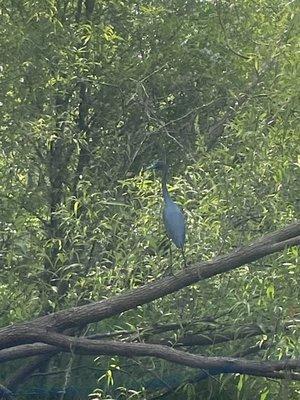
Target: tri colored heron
173,217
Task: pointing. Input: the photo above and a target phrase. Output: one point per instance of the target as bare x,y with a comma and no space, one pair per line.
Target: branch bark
278,369
242,332
30,350
200,339
202,375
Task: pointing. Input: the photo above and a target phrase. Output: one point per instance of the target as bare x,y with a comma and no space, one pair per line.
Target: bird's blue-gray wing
174,223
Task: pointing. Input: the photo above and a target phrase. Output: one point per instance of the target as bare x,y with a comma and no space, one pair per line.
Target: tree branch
278,369
207,339
202,375
29,350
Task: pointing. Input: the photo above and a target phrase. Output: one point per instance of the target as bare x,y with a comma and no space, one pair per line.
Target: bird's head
157,165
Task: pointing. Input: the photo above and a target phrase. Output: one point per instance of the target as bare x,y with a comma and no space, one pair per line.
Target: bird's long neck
165,192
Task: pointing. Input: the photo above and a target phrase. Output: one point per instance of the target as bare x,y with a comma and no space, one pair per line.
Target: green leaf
270,291
264,395
240,382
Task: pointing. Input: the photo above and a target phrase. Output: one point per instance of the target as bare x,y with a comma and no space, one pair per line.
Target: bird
173,216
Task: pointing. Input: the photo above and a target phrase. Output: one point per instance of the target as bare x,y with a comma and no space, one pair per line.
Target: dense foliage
91,93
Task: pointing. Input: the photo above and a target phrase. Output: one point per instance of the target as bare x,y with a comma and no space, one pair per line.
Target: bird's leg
169,270
184,259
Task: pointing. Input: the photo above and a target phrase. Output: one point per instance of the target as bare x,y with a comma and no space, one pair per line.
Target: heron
173,217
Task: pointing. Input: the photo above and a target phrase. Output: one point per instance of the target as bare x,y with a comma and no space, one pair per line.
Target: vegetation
91,93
